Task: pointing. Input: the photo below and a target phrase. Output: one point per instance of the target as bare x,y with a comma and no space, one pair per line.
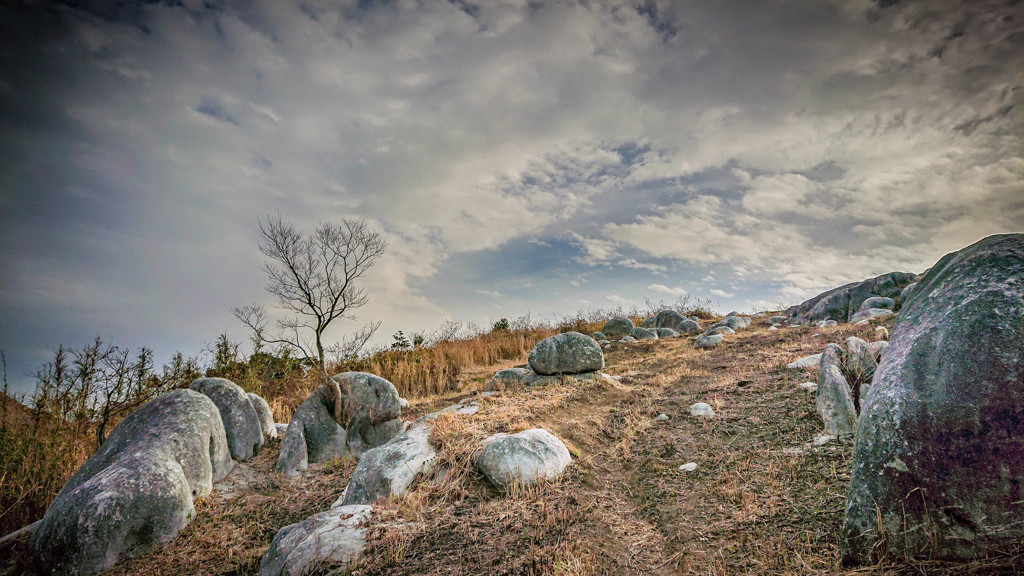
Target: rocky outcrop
241,423
524,458
138,490
566,353
371,409
938,464
617,327
337,537
841,303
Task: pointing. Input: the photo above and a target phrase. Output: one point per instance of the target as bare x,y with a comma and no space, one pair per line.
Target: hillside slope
763,499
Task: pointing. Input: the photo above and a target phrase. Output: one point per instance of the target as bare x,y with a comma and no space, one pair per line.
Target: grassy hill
763,499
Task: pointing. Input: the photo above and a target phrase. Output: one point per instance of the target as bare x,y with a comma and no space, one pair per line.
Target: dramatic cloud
519,156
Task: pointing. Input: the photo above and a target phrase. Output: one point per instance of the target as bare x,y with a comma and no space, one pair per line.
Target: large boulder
566,353
241,422
337,536
371,407
674,320
138,490
523,458
938,463
877,302
265,416
705,341
617,327
389,469
841,303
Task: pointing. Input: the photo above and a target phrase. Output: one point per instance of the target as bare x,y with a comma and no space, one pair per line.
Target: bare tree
313,277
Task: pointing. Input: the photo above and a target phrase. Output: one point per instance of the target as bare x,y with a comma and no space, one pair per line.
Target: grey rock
827,323
617,327
806,362
566,353
733,322
777,319
137,491
391,468
690,327
702,410
661,418
713,330
598,336
705,341
832,355
841,303
523,458
675,321
877,302
510,377
241,422
628,339
264,415
649,322
871,313
371,418
906,293
644,333
281,428
835,403
938,461
335,536
773,327
667,333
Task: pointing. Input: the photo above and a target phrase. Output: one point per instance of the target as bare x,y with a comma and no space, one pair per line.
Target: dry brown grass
760,502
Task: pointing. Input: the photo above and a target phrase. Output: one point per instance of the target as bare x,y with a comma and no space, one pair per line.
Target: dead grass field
762,500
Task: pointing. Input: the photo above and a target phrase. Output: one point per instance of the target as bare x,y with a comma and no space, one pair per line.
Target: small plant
401,342
500,326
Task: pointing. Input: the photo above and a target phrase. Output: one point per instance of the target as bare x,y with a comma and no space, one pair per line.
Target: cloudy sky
520,156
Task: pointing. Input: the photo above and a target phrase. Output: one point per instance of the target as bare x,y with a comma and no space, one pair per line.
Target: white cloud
667,290
721,293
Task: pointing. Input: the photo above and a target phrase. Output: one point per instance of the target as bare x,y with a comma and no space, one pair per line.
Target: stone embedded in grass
835,403
391,468
714,330
566,353
661,417
702,410
629,339
881,333
870,314
137,491
827,323
524,458
708,341
644,333
598,336
822,439
805,362
266,417
314,436
617,327
688,467
241,421
777,319
809,386
334,536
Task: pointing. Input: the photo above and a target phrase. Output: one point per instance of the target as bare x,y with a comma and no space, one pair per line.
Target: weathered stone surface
881,333
566,353
628,339
667,333
690,326
598,336
805,362
675,321
137,491
644,333
871,313
241,423
733,322
618,327
523,458
832,355
713,330
702,410
938,461
777,319
265,416
877,302
827,323
391,468
334,536
705,341
649,322
835,403
841,303
372,410
282,429
906,292
511,377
